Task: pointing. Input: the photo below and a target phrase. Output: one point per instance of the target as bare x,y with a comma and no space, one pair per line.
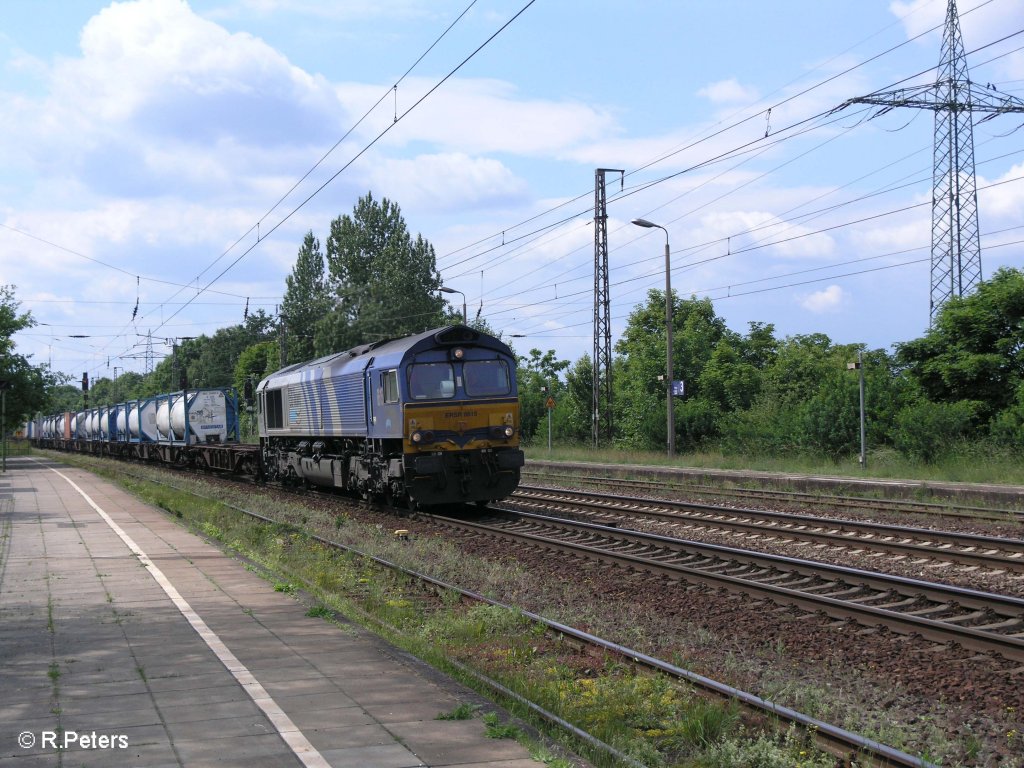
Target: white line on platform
288,731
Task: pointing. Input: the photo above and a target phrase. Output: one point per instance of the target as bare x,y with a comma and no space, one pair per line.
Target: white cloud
160,96
477,116
830,299
728,91
747,229
446,181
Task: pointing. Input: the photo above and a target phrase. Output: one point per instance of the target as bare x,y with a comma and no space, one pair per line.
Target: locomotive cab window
389,383
429,381
486,378
274,409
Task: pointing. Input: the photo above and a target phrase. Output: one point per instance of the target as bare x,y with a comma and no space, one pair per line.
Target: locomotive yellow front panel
461,425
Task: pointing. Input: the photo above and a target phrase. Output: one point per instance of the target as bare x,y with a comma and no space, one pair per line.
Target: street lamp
668,334
445,289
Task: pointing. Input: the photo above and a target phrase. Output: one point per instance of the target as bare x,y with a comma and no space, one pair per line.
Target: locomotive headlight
416,437
509,431
458,353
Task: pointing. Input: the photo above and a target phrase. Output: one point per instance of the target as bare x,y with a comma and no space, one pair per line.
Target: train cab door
370,398
389,406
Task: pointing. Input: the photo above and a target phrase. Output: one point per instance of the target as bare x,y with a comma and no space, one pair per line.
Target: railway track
971,512
845,744
752,527
979,621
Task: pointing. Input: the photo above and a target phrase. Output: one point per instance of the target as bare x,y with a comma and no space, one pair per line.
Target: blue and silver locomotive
426,419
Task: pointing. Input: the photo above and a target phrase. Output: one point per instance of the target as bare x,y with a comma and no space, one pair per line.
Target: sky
172,155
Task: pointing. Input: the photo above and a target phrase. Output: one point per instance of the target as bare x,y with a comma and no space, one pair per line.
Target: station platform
125,640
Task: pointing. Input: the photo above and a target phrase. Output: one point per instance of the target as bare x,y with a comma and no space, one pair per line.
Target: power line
378,137
696,142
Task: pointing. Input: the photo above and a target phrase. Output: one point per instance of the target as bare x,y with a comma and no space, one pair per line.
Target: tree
305,301
573,417
255,363
926,430
831,417
206,361
382,282
974,351
24,384
538,379
639,395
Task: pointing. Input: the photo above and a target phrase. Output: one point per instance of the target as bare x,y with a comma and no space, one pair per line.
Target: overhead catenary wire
749,146
633,191
329,152
365,149
346,165
263,234
774,105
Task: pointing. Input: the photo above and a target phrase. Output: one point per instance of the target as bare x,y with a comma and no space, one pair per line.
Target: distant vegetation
958,391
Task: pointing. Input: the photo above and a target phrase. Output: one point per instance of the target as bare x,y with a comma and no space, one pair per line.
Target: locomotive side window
486,378
389,383
431,381
275,410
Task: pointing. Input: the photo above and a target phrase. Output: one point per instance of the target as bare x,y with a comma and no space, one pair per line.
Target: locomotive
426,419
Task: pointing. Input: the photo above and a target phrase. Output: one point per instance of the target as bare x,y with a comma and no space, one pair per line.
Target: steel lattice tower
149,352
602,315
956,247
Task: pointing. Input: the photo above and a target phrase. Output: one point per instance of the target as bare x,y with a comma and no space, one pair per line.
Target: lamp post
859,367
445,289
668,335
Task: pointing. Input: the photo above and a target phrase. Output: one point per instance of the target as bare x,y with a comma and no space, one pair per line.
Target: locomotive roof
391,352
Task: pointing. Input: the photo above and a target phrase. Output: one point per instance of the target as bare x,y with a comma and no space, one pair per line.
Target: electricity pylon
956,249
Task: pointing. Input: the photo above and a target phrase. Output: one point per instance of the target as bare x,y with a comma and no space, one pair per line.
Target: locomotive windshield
486,378
431,380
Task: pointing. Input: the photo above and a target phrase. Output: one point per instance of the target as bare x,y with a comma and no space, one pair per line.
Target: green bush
927,430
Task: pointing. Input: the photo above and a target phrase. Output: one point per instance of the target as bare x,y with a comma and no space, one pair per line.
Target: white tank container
77,421
200,416
163,416
105,423
142,421
121,424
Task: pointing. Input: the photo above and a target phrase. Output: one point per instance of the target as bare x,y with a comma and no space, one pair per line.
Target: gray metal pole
670,416
3,422
863,432
549,429
671,419
446,289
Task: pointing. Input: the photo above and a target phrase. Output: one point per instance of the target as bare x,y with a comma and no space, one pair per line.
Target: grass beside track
646,716
971,464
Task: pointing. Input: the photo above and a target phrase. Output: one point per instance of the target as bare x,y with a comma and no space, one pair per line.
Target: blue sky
144,144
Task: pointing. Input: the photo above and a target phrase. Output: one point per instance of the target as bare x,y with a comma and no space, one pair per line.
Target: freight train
428,419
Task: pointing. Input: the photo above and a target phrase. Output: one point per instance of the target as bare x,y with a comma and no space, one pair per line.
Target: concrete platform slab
116,620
